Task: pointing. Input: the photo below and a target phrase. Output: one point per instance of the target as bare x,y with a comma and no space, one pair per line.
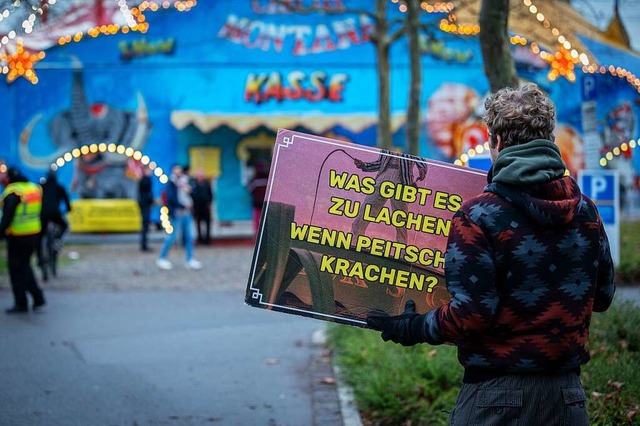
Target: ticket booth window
206,158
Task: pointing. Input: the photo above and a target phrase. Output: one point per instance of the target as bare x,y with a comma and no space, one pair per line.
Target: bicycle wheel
43,258
53,258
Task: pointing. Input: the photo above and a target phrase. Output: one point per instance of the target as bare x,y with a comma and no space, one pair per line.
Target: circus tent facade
114,89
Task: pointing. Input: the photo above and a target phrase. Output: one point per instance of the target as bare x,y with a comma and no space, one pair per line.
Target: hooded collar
531,178
530,163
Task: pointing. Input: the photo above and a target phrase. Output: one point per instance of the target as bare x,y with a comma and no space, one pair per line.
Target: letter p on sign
598,186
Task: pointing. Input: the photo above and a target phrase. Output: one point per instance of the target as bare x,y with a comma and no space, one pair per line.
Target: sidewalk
124,343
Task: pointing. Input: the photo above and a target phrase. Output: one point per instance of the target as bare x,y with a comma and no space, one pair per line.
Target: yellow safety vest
26,220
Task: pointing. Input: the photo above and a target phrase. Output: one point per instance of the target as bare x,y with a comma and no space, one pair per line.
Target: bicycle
50,247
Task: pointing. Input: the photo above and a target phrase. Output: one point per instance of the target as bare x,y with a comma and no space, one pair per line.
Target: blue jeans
182,222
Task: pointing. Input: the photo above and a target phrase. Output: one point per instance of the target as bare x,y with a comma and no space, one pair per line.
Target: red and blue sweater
526,264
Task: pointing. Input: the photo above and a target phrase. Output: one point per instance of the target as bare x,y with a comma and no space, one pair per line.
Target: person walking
20,225
527,263
202,195
179,203
54,195
145,202
257,188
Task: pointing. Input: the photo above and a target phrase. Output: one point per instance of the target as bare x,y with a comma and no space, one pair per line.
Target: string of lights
104,147
135,18
20,63
618,150
27,24
616,72
606,158
471,152
127,151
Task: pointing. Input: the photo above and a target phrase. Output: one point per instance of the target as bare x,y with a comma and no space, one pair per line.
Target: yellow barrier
110,215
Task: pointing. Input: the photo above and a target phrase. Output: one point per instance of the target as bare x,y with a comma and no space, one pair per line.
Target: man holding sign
527,262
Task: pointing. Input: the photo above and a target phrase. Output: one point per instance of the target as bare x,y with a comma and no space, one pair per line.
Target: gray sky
600,13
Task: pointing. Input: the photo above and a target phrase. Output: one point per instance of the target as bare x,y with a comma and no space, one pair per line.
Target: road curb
348,409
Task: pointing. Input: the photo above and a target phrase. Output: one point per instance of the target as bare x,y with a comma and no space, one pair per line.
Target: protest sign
349,230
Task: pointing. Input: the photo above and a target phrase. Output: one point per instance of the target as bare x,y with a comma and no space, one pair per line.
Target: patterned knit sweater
527,262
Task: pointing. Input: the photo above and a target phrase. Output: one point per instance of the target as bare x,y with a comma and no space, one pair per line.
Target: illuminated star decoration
562,64
20,63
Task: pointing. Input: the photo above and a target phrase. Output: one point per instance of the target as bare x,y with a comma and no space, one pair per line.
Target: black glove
405,329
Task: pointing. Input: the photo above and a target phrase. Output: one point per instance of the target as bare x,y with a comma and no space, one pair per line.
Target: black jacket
53,194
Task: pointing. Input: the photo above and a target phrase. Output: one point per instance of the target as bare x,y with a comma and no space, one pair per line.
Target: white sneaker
193,264
164,264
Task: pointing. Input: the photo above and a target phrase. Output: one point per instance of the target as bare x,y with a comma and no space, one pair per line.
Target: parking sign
602,186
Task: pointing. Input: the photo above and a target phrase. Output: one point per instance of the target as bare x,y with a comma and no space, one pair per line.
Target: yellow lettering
298,232
320,235
337,180
374,273
363,242
351,182
326,263
336,207
455,202
446,201
368,185
370,273
342,266
440,201
314,234
404,193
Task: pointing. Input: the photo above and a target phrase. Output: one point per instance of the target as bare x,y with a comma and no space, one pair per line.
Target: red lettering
322,37
252,87
262,87
294,92
367,27
317,80
336,87
273,88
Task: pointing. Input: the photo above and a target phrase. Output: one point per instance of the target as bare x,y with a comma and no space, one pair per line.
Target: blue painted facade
202,64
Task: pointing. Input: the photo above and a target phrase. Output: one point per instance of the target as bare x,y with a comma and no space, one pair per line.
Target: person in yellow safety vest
20,225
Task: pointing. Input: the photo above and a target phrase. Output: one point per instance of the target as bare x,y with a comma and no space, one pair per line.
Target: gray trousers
520,400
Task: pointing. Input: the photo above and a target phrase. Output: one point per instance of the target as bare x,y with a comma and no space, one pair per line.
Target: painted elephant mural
100,174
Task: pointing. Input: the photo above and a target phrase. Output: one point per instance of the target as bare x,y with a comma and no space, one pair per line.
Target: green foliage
395,385
612,377
629,269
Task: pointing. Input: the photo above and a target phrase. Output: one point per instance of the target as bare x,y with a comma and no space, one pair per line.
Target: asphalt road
122,343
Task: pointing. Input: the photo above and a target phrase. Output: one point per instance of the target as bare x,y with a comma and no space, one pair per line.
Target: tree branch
397,34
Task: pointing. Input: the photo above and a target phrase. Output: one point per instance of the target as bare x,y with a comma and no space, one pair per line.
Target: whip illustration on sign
349,230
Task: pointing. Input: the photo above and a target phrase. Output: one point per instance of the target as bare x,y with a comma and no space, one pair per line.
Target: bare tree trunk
494,42
415,87
384,97
381,43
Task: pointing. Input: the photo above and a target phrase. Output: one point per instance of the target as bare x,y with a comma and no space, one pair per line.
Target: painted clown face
447,111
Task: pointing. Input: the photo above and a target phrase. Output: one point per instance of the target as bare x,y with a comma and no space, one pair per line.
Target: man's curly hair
519,115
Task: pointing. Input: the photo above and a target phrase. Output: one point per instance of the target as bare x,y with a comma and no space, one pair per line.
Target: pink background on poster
294,181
